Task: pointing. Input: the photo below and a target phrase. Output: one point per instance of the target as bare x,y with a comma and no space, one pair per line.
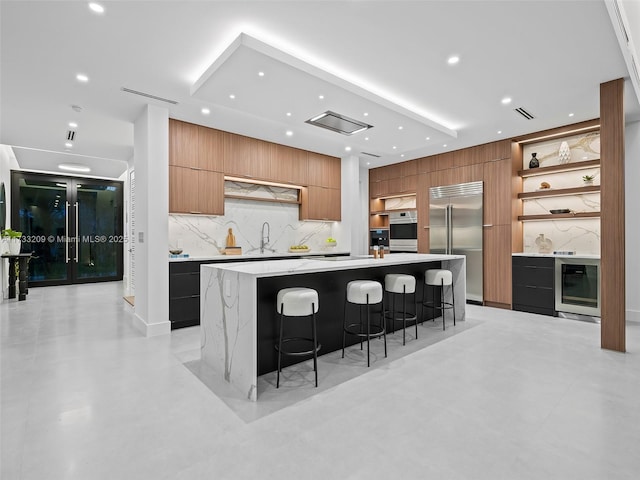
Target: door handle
77,233
66,232
488,225
427,227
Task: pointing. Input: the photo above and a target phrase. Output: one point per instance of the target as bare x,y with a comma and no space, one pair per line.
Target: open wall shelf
566,167
559,216
559,192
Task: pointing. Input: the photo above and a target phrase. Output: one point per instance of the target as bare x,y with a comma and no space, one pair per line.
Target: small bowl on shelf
175,251
559,211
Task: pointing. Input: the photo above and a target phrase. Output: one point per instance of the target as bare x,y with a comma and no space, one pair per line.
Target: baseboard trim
633,316
151,329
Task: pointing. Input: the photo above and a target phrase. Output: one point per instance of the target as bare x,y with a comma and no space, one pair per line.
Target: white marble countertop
259,256
554,255
272,268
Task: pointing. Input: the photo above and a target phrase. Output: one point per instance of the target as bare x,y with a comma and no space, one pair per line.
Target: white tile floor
506,395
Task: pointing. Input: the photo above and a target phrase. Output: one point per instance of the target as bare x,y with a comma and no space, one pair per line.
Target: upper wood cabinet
288,164
195,191
183,144
320,203
195,146
498,198
323,170
395,179
247,157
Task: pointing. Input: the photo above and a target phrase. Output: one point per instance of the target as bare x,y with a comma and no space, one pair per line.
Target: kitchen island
238,311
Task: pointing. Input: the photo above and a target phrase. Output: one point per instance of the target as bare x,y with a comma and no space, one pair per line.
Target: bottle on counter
381,251
375,251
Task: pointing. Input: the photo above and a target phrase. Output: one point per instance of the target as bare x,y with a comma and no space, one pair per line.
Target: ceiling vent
338,123
148,95
370,154
71,135
524,113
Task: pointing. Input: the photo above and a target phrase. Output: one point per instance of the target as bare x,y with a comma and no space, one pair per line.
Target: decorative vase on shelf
534,162
564,154
545,245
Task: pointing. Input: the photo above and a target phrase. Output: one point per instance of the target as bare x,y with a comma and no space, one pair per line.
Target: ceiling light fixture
289,133
506,100
394,147
96,7
366,138
68,144
428,138
74,167
261,74
366,114
205,111
368,163
81,77
453,60
571,114
232,96
73,124
400,127
402,155
347,149
321,97
444,145
288,114
499,132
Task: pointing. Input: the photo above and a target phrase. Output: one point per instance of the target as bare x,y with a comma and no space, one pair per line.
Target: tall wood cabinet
196,178
321,199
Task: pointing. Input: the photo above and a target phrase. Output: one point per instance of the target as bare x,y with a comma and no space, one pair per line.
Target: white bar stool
439,278
401,284
297,302
364,293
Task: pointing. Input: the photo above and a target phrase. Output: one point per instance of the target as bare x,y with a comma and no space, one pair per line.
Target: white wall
8,162
632,220
151,154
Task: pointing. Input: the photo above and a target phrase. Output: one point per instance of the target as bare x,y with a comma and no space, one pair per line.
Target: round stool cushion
399,283
438,277
296,302
357,291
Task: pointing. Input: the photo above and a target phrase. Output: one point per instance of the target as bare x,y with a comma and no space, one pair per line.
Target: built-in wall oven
403,231
578,285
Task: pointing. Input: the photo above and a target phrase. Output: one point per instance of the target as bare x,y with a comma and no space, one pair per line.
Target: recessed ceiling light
289,133
321,97
368,163
81,77
96,7
571,114
288,114
205,111
506,100
394,147
261,74
453,60
73,124
366,138
68,144
366,114
73,167
402,155
400,127
428,138
232,96
348,149
444,145
499,131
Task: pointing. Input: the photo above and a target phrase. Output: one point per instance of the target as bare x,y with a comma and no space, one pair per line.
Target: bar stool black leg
280,347
442,301
315,342
404,315
453,304
383,322
368,333
415,306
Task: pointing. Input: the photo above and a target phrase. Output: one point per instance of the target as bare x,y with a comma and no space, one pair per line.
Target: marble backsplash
203,236
581,236
584,146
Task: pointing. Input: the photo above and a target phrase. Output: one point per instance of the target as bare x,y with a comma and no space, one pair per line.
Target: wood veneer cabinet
497,193
320,203
323,170
195,191
195,146
247,157
497,266
289,165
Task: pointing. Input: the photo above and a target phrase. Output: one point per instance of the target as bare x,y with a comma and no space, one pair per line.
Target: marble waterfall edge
228,340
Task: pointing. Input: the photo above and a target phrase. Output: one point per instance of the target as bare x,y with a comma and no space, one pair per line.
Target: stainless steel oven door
403,231
577,283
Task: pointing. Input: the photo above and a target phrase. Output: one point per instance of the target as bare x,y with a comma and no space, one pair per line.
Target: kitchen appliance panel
578,286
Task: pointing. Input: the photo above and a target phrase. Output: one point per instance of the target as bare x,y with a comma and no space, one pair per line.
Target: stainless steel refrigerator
455,227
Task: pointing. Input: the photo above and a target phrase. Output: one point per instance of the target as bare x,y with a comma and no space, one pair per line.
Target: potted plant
11,242
588,179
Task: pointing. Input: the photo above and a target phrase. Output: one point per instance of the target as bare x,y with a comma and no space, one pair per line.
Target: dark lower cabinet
534,285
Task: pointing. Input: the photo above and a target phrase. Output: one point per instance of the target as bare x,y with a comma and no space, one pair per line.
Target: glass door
71,225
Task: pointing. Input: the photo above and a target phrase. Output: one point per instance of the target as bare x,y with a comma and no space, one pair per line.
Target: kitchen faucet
264,242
